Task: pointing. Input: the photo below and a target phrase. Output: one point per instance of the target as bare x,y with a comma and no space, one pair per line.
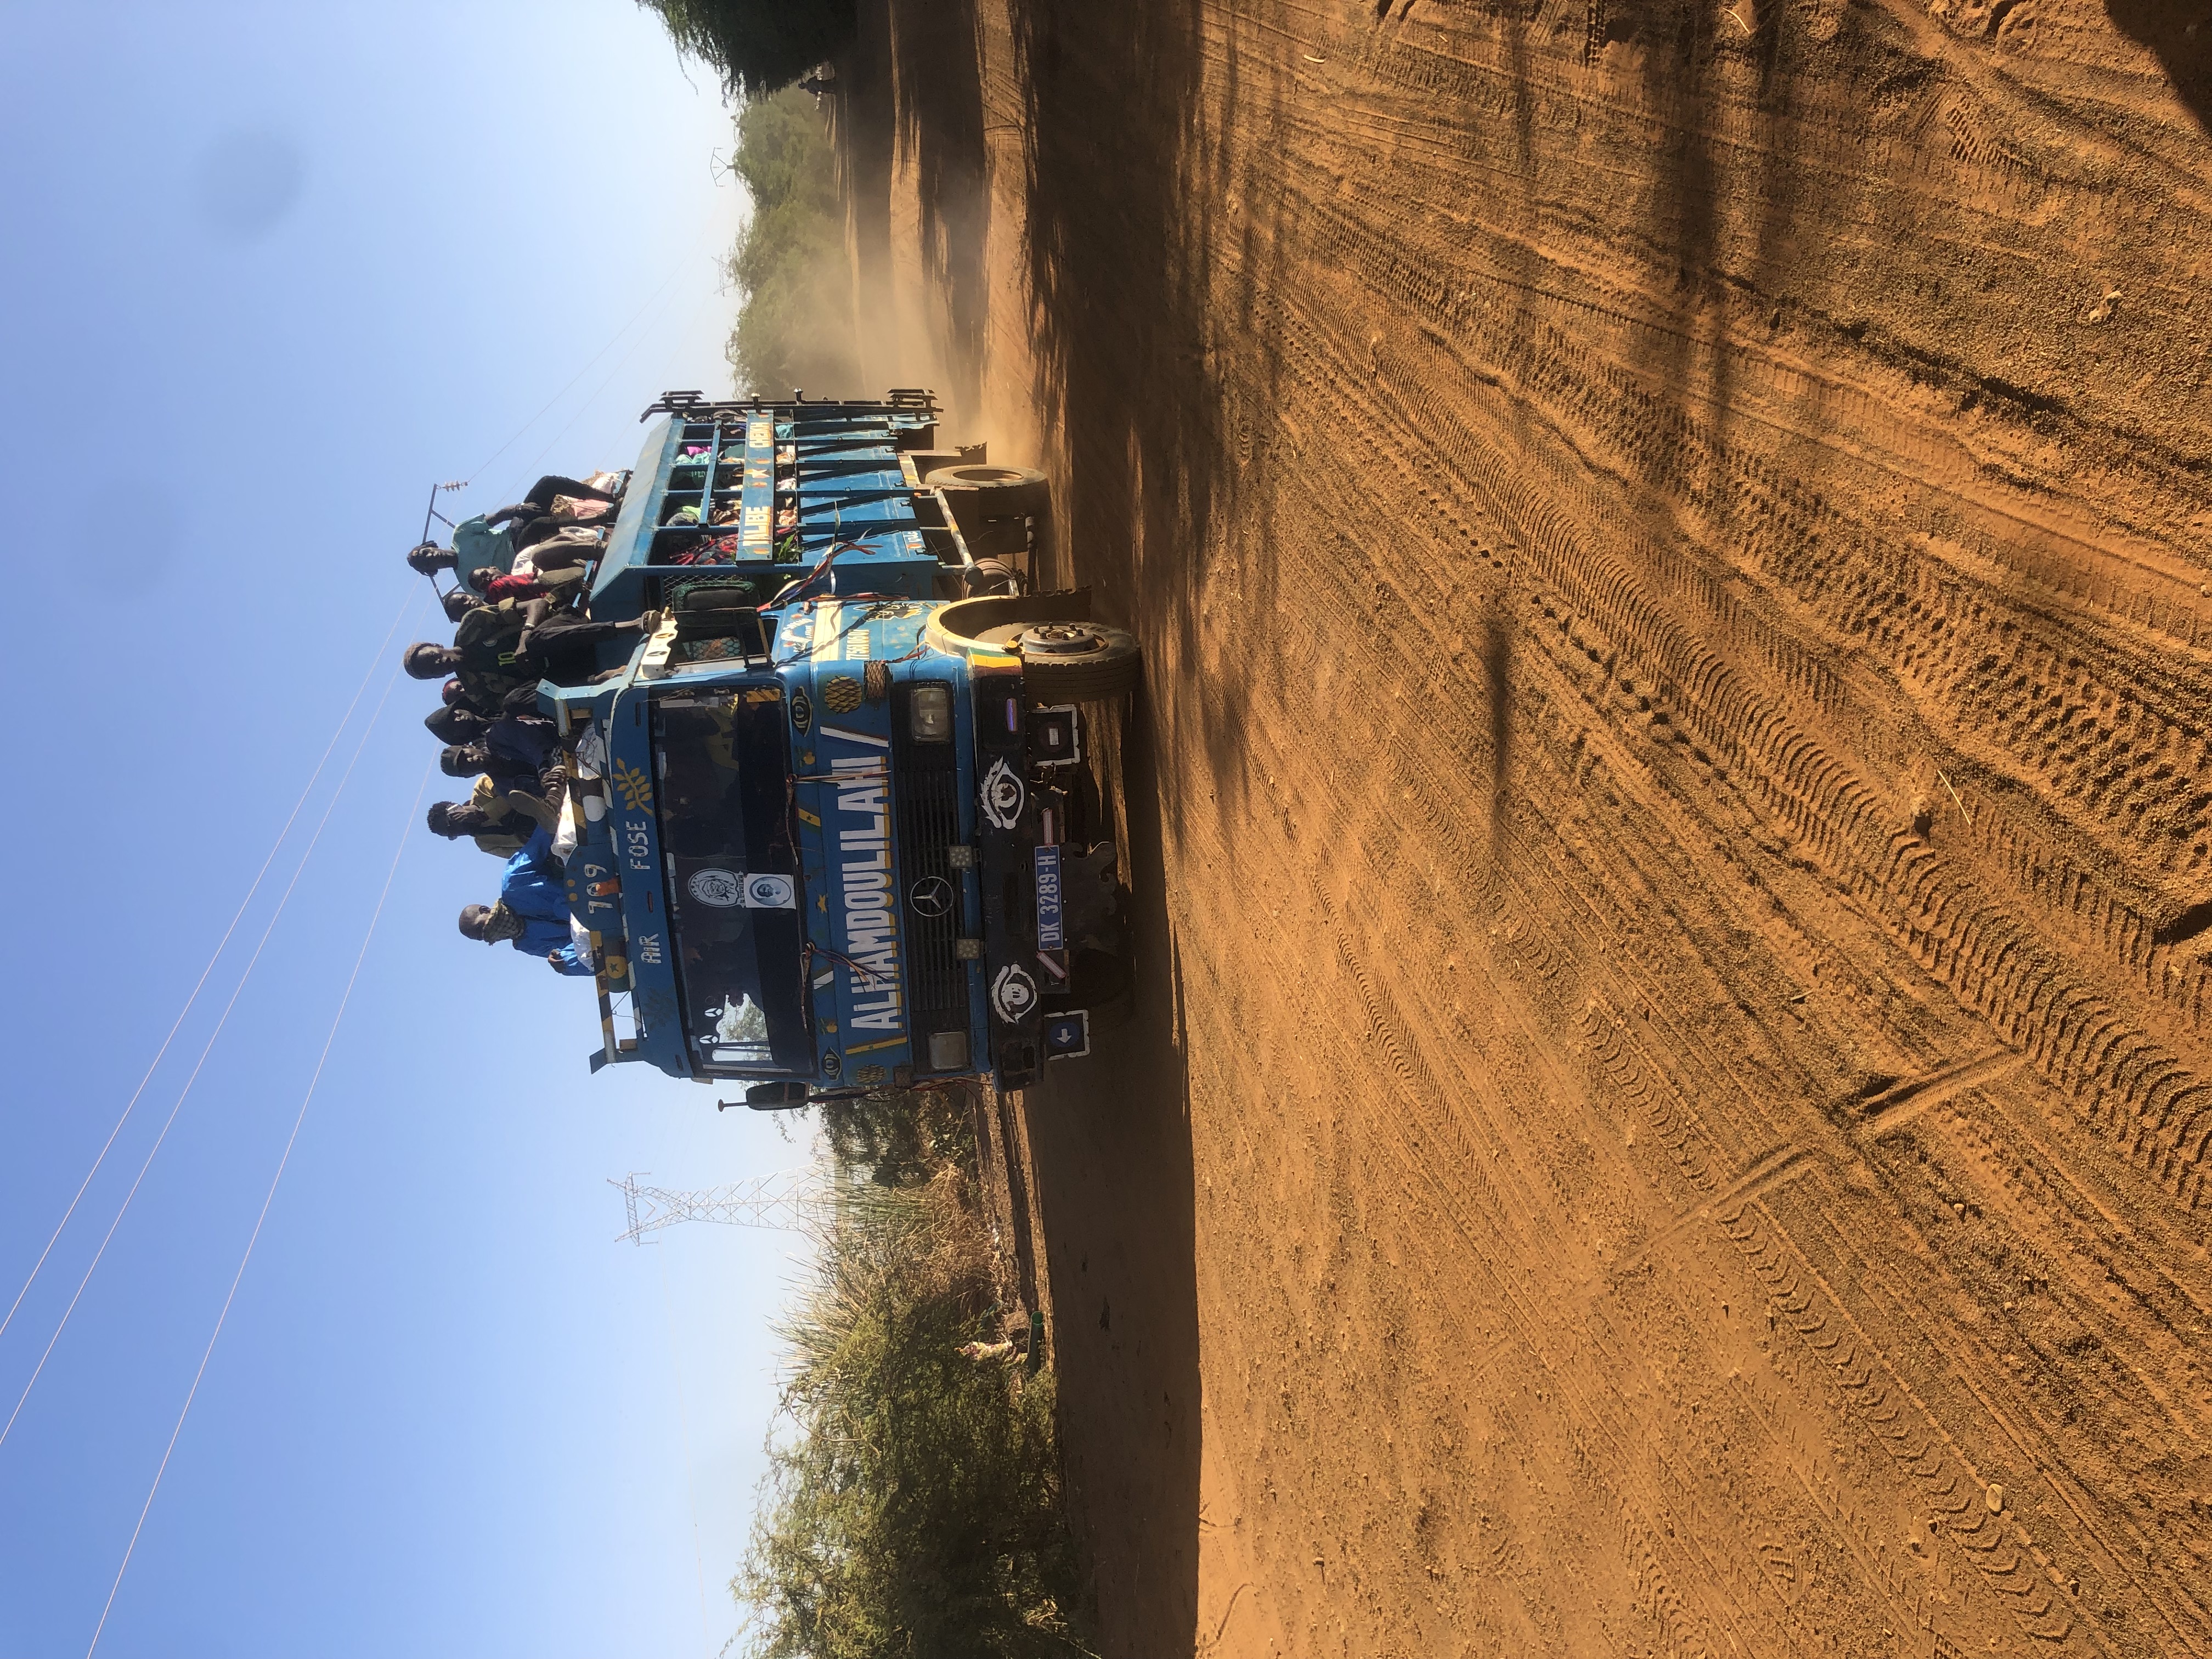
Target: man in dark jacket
520,740
498,653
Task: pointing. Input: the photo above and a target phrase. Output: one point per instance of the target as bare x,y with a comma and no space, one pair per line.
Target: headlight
929,714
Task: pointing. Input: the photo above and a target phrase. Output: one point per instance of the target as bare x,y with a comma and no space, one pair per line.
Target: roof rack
696,405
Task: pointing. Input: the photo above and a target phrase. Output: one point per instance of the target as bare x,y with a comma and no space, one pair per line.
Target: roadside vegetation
758,46
913,1505
796,325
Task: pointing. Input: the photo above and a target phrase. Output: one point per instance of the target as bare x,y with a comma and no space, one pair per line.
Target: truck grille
926,786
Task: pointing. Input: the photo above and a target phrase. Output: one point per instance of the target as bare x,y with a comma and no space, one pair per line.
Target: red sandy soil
1670,811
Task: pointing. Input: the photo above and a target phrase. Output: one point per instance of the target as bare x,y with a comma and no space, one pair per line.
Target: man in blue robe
533,911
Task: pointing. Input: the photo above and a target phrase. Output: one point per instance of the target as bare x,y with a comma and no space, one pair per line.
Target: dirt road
1671,809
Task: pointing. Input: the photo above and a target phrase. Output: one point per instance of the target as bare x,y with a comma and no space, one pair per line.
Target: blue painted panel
756,527
637,839
843,790
618,592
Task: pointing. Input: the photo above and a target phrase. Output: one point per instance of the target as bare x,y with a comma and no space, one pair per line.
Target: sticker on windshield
720,888
770,893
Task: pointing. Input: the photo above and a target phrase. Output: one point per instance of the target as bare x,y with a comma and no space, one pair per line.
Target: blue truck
836,827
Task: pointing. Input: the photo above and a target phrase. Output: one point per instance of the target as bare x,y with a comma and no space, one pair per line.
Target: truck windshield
733,878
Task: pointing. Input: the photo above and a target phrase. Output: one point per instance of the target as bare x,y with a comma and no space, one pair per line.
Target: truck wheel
1078,662
976,491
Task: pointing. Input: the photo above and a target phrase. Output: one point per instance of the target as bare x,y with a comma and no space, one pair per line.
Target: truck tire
976,491
997,620
1078,662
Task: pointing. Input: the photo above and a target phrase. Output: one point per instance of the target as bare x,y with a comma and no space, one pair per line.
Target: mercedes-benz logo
932,896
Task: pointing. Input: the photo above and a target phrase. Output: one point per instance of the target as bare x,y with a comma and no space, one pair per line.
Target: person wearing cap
532,911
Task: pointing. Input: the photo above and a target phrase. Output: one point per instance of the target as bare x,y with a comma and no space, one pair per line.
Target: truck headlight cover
929,713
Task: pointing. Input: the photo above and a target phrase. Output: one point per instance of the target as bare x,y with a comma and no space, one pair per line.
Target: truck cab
833,827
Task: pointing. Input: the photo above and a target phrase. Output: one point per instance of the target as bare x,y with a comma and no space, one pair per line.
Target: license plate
1050,923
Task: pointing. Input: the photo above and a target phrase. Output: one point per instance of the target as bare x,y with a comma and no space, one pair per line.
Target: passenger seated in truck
453,694
555,496
500,656
495,827
553,632
554,505
525,585
562,556
481,657
535,791
524,740
532,911
499,536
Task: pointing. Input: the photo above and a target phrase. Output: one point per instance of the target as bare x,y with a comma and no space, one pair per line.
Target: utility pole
789,1200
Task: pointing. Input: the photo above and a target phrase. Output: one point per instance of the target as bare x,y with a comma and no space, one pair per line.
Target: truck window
733,883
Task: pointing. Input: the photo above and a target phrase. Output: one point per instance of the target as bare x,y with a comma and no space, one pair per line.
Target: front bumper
1021,808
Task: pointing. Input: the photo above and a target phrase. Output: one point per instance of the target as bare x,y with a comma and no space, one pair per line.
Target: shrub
900,1138
913,1507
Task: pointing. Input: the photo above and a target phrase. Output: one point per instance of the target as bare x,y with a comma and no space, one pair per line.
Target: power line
282,1163
620,363
208,1048
222,944
675,270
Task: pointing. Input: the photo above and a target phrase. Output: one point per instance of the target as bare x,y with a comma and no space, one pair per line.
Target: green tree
899,1137
757,46
795,327
914,1507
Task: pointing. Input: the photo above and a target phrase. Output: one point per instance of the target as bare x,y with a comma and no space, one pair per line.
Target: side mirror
770,1097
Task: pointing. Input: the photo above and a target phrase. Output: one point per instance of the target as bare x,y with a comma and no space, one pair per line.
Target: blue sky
271,272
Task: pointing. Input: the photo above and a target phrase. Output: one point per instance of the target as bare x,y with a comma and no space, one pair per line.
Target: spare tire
976,491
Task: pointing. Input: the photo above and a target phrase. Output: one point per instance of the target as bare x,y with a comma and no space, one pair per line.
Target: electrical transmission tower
788,1200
